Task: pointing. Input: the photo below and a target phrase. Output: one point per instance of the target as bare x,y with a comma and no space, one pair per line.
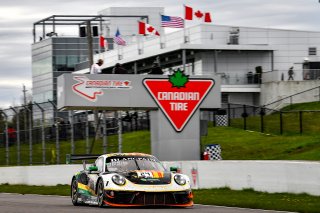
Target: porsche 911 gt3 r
129,179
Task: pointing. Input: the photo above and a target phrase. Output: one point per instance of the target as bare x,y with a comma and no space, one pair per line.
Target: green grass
303,106
63,190
222,197
290,120
131,142
237,144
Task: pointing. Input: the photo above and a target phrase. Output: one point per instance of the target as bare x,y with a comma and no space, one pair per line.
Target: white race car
129,179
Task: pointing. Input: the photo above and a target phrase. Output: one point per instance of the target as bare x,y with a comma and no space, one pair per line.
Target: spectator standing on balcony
118,69
96,68
156,69
290,74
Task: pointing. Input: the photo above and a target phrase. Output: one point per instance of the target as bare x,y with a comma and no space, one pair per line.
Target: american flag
172,21
118,40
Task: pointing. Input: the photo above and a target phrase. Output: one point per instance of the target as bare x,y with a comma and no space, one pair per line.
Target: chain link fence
40,134
269,121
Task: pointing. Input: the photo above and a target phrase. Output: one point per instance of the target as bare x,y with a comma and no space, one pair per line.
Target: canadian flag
103,42
147,29
190,14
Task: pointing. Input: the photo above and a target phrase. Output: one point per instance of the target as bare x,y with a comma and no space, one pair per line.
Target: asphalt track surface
16,203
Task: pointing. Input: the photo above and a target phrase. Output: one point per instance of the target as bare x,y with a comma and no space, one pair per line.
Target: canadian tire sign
178,97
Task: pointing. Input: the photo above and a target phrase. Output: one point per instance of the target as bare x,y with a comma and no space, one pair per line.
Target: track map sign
178,97
90,89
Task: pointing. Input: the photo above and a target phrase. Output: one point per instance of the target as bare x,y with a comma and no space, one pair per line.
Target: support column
119,131
105,136
215,56
166,144
71,120
7,137
43,138
184,59
56,123
87,133
18,135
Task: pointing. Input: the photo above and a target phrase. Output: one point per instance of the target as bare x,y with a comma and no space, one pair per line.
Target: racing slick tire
74,192
100,193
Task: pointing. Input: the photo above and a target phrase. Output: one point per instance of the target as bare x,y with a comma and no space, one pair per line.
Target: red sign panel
178,103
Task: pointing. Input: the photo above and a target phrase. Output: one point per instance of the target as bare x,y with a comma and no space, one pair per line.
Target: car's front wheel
74,192
100,193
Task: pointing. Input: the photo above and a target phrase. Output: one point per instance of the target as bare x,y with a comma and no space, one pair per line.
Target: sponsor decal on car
149,174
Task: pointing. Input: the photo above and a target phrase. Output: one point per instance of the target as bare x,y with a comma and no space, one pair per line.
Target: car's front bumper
141,198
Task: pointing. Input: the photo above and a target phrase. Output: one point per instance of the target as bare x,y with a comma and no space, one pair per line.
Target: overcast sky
17,18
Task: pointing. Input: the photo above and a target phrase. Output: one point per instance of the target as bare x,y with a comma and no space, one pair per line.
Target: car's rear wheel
100,193
74,192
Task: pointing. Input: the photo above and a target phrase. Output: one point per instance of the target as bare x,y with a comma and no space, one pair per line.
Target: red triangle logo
178,104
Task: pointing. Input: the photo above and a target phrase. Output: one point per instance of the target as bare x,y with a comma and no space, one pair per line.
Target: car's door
93,176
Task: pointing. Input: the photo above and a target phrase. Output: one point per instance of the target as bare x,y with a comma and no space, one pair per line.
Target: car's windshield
129,163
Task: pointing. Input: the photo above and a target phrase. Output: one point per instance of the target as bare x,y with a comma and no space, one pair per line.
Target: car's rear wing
72,157
83,157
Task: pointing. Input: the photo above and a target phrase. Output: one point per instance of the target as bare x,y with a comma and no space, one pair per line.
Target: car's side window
99,164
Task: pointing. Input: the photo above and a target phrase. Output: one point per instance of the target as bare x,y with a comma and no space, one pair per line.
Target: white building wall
198,64
236,64
289,47
242,98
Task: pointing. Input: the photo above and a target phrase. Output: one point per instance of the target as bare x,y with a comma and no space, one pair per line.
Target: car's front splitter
127,199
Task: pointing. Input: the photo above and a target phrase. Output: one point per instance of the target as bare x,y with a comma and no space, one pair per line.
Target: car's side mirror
93,168
173,169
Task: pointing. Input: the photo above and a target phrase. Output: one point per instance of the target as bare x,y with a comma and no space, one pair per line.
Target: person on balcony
96,68
118,69
290,74
156,69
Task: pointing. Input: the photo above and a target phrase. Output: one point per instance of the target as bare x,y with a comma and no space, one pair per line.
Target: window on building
224,98
312,51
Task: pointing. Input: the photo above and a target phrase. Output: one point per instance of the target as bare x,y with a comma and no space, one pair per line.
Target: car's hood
148,177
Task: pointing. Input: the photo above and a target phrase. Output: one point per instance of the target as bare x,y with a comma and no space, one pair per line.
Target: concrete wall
274,91
39,175
268,176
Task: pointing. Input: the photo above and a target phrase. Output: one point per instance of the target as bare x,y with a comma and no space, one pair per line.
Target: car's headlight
118,179
180,180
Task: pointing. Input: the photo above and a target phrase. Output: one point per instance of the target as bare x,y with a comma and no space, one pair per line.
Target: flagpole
184,40
161,32
118,46
100,29
184,32
184,25
99,46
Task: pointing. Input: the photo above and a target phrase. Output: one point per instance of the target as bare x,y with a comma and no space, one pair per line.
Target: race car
129,180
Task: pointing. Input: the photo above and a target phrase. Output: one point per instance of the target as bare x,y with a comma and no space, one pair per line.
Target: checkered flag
213,151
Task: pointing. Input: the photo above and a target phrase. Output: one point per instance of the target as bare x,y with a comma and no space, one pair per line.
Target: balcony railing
311,74
240,79
269,76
